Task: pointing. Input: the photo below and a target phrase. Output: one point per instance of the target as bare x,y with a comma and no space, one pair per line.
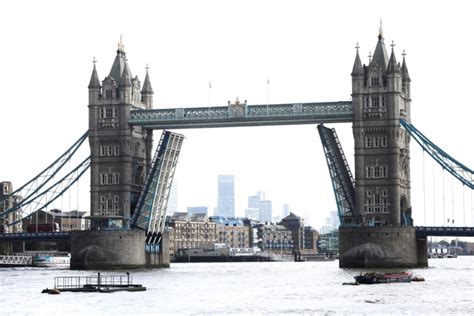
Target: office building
225,196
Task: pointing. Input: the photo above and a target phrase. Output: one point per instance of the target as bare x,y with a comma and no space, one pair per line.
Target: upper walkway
241,114
444,231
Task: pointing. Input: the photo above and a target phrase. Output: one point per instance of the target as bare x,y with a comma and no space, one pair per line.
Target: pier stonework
380,98
92,250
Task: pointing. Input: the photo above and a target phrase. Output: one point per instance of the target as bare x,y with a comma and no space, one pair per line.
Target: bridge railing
342,110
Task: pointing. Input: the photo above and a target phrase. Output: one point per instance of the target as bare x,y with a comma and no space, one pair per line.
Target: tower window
384,141
375,81
368,142
116,150
375,102
369,193
108,113
383,101
108,94
376,141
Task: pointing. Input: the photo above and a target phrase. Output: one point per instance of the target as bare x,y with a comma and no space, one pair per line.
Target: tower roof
392,63
126,79
380,54
94,82
357,69
147,83
405,74
120,63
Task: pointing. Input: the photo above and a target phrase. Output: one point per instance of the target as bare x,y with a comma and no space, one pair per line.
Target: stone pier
381,247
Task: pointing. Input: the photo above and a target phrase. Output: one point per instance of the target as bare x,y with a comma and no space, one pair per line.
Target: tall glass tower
225,196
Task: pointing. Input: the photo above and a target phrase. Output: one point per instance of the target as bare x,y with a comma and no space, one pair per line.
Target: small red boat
373,277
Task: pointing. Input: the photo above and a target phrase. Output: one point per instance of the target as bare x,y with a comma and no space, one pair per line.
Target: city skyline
246,50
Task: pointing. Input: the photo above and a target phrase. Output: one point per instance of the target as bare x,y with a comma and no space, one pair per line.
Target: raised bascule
130,187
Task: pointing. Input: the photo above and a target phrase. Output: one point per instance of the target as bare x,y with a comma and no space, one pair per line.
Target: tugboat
373,277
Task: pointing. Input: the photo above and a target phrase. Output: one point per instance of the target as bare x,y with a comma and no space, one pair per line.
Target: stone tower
380,98
120,153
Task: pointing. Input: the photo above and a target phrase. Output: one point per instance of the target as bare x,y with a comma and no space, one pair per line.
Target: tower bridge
130,187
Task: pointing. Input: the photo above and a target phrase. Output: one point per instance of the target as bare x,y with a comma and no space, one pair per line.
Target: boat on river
52,260
374,277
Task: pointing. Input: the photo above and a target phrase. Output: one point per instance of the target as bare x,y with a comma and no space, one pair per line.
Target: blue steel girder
150,211
454,167
244,115
340,173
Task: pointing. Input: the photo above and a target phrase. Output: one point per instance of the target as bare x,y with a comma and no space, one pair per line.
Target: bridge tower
120,153
380,98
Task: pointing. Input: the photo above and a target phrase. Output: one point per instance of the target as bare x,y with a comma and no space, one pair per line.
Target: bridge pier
109,250
381,247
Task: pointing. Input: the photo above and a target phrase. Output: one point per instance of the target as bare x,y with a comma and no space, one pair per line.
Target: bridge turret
405,77
357,72
94,86
125,86
393,75
147,91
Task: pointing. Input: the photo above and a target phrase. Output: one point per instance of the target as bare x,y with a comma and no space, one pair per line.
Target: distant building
329,242
311,238
332,222
67,221
191,231
253,201
232,232
285,210
252,213
295,224
9,201
225,196
198,210
274,238
265,211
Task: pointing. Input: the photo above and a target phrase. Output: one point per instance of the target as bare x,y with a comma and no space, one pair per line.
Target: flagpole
209,95
268,83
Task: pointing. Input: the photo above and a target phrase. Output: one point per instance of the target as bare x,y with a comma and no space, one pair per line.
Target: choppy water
270,288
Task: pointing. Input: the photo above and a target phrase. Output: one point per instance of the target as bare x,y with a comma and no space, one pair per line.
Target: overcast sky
305,49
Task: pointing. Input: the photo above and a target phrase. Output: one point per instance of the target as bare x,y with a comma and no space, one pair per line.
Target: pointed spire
147,83
380,54
392,63
94,82
119,63
357,68
126,80
405,74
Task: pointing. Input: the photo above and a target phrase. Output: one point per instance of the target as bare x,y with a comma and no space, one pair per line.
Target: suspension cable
444,205
463,206
452,199
424,191
434,193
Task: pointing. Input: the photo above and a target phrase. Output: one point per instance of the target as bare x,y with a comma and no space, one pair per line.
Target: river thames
268,288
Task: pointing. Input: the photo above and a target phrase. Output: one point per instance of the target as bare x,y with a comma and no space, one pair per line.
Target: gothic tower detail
380,97
120,153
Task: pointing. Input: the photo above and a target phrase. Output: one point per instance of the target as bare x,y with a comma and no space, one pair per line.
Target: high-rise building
265,211
192,210
225,196
285,210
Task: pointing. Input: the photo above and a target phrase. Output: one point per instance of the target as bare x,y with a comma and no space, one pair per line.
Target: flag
268,81
210,85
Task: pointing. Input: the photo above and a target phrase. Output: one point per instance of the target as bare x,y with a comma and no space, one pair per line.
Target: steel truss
150,212
341,176
454,167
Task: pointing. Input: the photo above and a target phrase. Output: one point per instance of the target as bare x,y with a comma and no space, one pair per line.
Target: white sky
305,48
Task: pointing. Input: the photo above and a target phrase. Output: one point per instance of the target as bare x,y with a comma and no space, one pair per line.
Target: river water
269,288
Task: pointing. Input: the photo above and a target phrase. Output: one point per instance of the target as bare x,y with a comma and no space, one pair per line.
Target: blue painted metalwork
144,210
244,115
150,211
457,169
51,193
341,176
32,187
35,236
444,231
